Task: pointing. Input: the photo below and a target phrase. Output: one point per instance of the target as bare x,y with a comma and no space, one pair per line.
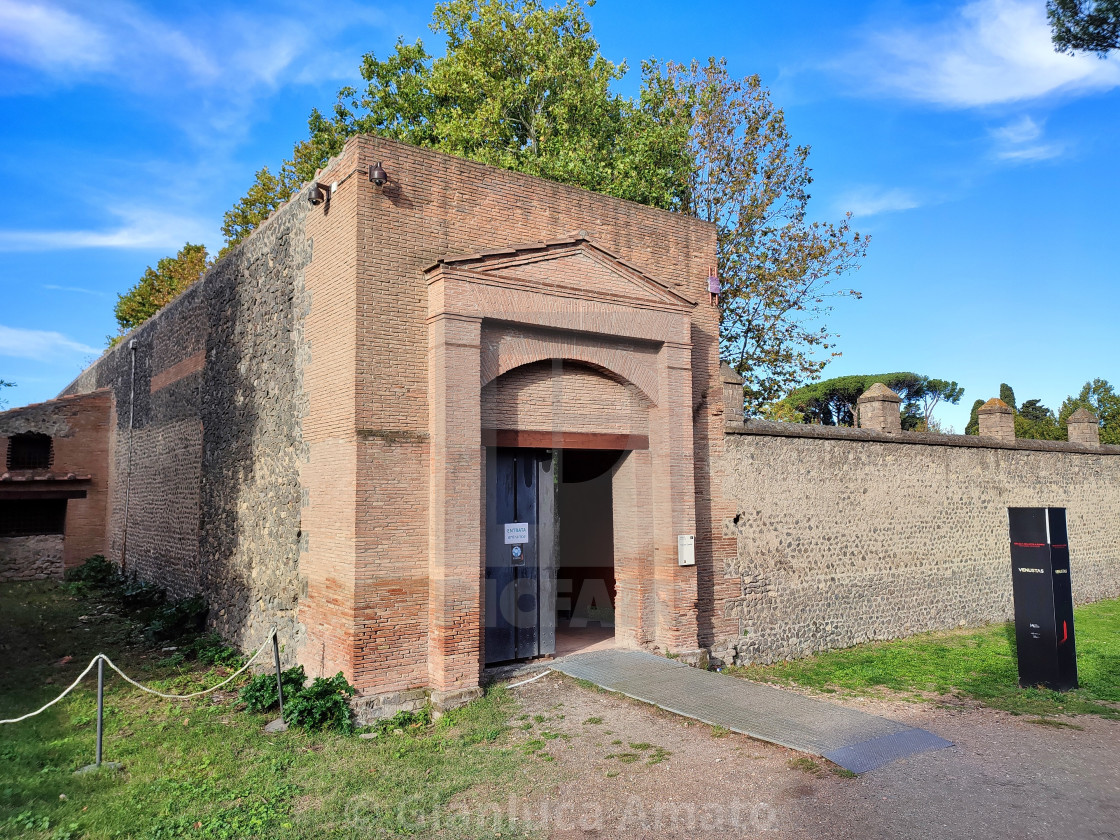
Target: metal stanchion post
100,706
276,656
98,763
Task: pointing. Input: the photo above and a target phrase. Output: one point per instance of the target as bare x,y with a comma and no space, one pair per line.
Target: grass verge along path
978,663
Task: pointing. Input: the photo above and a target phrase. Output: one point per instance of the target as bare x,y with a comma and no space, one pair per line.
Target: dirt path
630,771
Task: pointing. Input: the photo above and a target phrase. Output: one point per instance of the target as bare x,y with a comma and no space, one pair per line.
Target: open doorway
550,560
585,577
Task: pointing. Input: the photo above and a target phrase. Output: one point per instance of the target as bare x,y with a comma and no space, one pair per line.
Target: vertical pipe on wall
128,468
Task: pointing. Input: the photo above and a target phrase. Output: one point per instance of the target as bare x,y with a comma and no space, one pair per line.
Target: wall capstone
997,420
878,408
732,393
1084,428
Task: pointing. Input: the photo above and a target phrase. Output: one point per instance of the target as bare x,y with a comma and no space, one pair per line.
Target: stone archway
492,315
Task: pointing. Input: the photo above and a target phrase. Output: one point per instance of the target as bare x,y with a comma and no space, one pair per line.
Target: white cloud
989,52
1019,142
871,201
78,289
206,69
40,345
109,38
1043,151
221,51
139,228
48,37
1022,130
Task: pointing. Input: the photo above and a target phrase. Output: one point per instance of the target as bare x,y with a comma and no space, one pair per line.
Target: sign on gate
517,533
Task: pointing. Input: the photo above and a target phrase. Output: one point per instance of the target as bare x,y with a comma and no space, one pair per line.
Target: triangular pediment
572,267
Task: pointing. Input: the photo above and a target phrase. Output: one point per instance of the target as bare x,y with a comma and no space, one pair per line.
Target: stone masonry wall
37,557
31,558
205,488
846,536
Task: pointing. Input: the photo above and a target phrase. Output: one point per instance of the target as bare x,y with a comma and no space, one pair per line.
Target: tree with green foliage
973,426
5,384
933,392
159,286
1098,397
524,87
1007,394
264,196
1034,421
833,402
775,267
1084,25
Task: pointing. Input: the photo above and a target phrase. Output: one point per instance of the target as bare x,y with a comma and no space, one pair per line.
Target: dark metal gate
520,584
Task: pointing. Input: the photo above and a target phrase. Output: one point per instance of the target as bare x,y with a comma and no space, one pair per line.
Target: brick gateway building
331,431
468,416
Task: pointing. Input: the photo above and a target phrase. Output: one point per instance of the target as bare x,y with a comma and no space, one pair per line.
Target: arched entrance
556,432
535,351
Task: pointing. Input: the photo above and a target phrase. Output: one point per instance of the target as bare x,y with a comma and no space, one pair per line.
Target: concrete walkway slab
855,740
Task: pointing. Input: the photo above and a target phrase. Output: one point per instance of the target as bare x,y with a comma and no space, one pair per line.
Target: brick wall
273,446
79,431
848,535
563,397
204,437
438,205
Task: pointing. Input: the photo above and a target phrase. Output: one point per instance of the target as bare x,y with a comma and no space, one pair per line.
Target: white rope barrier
531,679
131,681
73,685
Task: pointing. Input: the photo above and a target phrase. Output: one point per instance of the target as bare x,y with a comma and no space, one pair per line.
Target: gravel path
627,770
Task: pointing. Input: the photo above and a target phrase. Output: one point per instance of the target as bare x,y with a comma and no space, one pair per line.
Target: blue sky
983,164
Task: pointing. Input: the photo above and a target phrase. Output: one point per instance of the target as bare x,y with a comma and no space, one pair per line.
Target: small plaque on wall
686,550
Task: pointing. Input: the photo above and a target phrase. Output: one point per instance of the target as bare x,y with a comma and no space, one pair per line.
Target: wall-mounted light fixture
319,194
378,176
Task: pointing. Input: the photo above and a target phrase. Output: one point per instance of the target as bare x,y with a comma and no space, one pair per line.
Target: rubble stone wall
846,536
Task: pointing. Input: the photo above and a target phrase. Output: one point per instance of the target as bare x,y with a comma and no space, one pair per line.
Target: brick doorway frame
483,321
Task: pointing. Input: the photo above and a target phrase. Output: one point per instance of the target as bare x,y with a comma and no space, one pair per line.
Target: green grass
979,664
204,768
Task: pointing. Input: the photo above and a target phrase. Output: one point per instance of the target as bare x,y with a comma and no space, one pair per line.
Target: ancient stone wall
849,535
206,442
37,557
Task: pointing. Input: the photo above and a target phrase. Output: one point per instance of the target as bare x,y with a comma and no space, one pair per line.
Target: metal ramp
852,739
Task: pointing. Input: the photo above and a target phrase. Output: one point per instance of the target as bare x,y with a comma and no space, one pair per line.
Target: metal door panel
525,573
548,542
520,595
499,592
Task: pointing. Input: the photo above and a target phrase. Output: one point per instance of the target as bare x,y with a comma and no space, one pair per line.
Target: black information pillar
1043,597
